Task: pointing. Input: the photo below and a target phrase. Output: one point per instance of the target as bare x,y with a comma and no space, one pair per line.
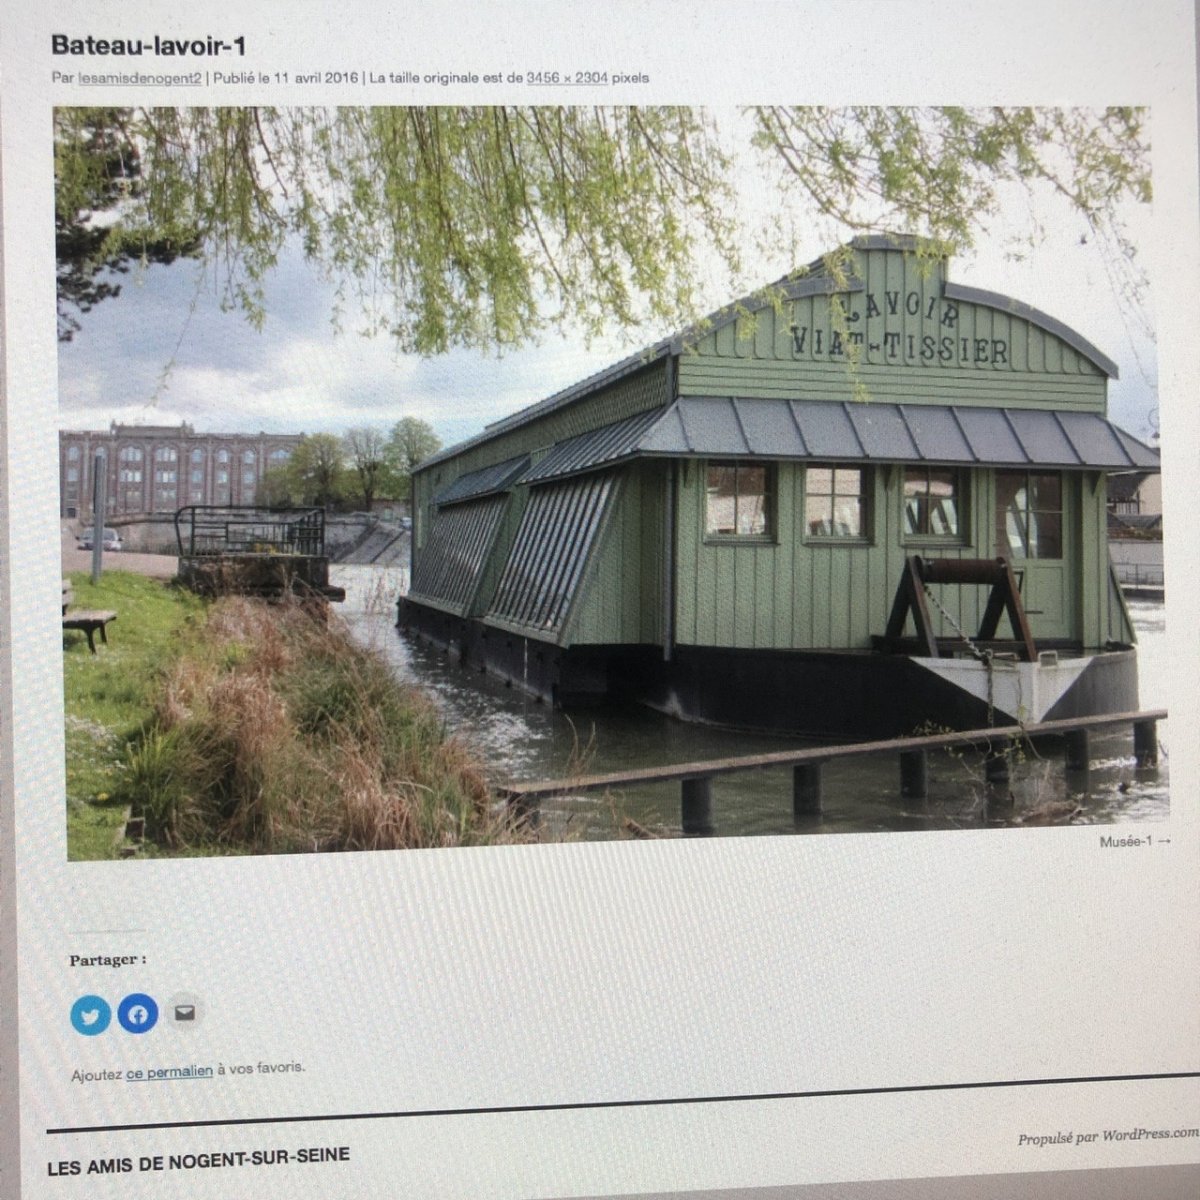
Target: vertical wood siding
793,593
1033,368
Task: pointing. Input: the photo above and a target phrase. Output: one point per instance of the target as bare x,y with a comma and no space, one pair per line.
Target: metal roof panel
594,449
769,429
882,431
991,437
499,477
1094,442
826,429
936,434
1042,437
711,422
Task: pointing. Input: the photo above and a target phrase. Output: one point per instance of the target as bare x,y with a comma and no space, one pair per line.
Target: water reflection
518,738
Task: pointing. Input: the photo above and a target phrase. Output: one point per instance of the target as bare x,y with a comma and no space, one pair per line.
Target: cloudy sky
164,352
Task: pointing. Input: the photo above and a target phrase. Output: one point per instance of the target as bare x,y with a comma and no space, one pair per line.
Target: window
166,454
197,476
835,501
131,454
72,474
248,478
222,456
1029,517
73,453
248,457
197,456
738,500
933,499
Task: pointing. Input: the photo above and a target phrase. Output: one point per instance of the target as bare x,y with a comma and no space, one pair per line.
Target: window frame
1031,508
770,491
962,499
866,501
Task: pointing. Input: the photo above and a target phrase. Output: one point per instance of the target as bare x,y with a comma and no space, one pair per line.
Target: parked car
112,539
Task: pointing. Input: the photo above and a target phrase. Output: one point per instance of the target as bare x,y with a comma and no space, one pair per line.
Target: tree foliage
366,452
98,237
314,474
483,226
410,442
455,226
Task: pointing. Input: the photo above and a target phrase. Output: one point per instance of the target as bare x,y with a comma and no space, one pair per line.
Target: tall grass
274,732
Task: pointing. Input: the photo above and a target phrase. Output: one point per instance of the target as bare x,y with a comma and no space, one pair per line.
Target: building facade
160,468
725,525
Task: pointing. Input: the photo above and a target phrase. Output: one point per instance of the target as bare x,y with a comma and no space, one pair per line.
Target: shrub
274,731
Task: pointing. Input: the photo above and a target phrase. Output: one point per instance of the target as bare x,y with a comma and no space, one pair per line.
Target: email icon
185,1012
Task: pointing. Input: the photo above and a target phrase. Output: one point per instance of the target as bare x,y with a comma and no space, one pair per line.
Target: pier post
697,804
806,790
914,774
995,763
1145,743
1077,750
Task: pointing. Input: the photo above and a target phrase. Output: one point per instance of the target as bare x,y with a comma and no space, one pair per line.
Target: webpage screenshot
585,601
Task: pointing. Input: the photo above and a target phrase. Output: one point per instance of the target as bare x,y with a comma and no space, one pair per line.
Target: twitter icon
90,1015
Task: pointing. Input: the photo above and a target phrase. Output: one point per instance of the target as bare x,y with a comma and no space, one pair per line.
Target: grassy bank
260,729
109,697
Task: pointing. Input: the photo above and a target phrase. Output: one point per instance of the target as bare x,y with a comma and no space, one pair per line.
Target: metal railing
216,530
1148,575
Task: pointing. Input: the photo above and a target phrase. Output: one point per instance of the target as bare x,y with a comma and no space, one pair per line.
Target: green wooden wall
809,594
915,345
620,602
636,393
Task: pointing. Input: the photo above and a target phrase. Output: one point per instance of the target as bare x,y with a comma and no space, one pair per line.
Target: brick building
158,468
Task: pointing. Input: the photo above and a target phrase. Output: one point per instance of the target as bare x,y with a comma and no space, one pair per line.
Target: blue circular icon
90,1015
138,1013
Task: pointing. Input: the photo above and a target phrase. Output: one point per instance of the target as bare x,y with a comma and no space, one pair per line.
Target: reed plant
273,731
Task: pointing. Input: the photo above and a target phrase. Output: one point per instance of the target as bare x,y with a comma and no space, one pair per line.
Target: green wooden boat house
870,499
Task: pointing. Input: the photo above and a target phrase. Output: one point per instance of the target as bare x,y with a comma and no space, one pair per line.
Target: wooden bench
90,621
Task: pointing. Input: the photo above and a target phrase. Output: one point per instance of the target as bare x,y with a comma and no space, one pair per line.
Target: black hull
838,694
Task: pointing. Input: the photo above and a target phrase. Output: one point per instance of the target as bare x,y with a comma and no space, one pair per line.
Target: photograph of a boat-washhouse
869,503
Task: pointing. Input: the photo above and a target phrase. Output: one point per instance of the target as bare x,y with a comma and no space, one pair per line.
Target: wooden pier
695,778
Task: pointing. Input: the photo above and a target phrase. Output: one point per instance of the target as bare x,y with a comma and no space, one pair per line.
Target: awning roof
497,478
852,430
841,431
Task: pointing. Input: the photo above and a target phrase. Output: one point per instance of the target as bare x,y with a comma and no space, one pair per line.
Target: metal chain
986,657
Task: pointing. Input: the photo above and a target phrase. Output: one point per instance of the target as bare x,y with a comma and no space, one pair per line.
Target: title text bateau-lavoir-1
159,47
893,343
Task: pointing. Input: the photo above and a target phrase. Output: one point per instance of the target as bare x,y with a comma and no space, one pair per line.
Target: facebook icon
138,1013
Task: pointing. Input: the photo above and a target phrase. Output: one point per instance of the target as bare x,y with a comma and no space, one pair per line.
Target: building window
279,457
166,454
1029,514
73,453
933,501
222,456
197,476
248,457
197,456
222,476
248,478
835,501
738,500
72,474
131,454
164,476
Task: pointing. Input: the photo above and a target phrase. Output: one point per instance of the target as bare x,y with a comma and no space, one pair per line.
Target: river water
520,739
